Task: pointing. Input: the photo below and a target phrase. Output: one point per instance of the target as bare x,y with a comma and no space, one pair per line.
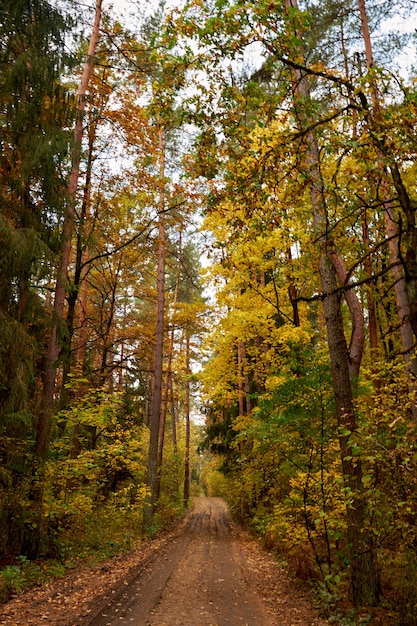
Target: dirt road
198,579
206,572
203,578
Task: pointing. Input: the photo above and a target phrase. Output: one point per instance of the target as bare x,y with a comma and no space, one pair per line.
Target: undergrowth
95,537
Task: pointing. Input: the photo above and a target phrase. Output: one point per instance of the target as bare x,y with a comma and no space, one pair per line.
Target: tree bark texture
168,379
187,422
155,412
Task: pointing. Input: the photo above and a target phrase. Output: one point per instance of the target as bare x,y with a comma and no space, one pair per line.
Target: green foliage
286,479
26,573
80,538
111,461
34,117
11,581
289,470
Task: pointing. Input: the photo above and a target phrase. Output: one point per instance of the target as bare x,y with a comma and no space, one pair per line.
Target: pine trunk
52,357
187,423
155,412
173,414
168,380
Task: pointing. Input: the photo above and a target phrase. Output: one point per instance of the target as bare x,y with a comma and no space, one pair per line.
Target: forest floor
207,571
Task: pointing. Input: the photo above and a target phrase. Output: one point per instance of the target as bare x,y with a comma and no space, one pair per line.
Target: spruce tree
35,112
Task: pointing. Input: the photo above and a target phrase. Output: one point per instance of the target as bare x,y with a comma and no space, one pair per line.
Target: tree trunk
372,317
173,414
240,376
363,571
187,421
155,412
357,338
79,283
168,378
292,291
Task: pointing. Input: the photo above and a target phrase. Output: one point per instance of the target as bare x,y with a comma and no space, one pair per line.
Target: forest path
204,577
208,572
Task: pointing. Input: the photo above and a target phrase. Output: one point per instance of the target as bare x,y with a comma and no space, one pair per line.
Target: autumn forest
208,284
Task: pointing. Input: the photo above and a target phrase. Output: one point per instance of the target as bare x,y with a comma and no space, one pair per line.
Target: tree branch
124,244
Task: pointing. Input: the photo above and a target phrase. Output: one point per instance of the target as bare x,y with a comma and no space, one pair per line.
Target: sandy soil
208,572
